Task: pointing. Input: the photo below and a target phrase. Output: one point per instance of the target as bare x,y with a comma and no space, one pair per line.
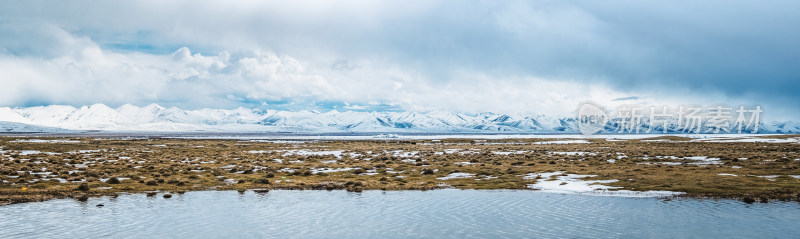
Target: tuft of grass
359,171
82,198
83,187
113,180
263,181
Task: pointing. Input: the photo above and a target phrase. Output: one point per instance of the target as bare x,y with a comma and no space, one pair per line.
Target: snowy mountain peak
155,118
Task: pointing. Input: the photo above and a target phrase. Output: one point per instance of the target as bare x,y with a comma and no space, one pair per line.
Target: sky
542,57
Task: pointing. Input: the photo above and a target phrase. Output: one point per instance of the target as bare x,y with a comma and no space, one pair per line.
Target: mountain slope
155,118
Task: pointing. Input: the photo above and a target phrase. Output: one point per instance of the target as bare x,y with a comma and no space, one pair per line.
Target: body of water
397,214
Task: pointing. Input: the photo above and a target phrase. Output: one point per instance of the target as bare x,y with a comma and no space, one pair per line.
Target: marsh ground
40,168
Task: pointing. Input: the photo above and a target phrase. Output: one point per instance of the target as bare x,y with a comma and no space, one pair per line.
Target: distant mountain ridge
155,118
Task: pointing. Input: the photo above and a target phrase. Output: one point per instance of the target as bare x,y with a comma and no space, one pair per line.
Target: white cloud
88,74
506,56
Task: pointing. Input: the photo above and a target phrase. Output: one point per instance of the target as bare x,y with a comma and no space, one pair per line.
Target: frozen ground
578,141
53,141
558,182
457,175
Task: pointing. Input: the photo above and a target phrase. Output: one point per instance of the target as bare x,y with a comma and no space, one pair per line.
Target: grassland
41,168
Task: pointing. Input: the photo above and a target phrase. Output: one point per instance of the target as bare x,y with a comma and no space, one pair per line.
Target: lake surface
397,214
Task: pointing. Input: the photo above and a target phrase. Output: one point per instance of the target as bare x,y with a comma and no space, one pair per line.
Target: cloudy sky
467,56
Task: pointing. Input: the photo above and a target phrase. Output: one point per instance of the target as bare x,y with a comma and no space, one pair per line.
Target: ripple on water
396,214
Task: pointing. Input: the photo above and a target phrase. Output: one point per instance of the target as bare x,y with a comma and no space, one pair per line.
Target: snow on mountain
155,118
13,127
782,127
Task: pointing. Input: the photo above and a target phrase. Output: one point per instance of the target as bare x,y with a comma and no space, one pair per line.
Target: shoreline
157,193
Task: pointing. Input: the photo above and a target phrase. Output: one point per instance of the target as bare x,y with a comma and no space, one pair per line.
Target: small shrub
82,198
748,200
113,180
83,187
427,171
263,181
359,171
151,183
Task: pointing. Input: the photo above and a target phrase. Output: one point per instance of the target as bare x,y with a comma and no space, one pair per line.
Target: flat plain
759,168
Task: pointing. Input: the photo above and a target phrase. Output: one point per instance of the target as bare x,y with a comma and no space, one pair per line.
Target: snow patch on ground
769,177
53,141
703,160
336,153
403,154
508,152
695,160
574,184
577,141
486,177
574,153
457,175
656,140
32,152
302,152
281,141
330,170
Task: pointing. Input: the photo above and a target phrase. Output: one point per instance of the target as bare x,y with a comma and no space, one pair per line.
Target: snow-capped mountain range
154,118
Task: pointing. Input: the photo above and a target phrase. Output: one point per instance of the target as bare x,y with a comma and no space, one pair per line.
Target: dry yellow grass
763,170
